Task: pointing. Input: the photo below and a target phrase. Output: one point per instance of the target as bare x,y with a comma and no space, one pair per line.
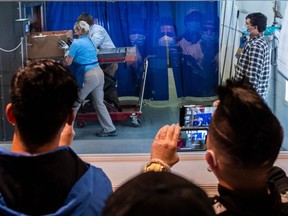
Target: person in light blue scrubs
83,63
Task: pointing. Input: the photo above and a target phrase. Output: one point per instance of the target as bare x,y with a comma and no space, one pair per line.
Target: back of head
157,194
243,128
258,19
42,96
82,27
87,18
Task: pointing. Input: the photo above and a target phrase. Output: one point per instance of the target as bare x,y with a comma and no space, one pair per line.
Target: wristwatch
157,166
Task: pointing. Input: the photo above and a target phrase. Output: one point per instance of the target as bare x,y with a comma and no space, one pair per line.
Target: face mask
137,39
166,40
245,30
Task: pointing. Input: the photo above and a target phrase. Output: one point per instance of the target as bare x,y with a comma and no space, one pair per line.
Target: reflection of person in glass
189,41
189,44
199,47
163,41
210,48
137,38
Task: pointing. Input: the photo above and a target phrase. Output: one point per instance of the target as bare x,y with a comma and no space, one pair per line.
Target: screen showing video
196,116
192,139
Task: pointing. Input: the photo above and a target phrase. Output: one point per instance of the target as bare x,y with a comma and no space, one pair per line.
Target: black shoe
106,134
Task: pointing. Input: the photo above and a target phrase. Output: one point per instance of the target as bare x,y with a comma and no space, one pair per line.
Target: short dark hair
193,16
243,127
87,18
43,93
157,194
258,19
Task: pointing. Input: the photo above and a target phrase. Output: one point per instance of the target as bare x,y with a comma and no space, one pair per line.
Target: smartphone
195,115
192,139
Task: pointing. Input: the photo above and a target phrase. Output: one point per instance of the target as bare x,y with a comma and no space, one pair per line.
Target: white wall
193,166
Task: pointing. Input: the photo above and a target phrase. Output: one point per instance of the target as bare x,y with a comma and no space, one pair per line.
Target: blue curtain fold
181,35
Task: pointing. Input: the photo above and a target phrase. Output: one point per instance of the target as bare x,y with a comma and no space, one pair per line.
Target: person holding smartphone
243,143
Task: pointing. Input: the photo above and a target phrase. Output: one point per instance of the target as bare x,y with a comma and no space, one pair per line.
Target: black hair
243,127
87,18
158,194
259,20
42,95
193,16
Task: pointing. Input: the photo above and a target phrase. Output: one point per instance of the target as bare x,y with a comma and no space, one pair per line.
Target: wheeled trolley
130,109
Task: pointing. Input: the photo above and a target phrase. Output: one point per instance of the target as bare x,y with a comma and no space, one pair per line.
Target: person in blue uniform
102,40
83,62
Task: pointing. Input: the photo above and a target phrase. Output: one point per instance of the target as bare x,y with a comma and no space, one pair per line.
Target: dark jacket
229,203
54,183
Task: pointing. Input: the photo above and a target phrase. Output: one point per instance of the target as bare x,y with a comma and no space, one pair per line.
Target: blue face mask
245,31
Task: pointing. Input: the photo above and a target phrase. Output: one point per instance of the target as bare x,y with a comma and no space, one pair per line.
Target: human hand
69,41
67,135
216,103
63,45
164,146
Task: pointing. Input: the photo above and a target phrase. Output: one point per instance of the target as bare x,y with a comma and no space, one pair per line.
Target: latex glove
63,45
164,146
69,41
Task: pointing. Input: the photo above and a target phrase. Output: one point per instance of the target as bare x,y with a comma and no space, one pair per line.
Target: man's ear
10,114
211,159
70,118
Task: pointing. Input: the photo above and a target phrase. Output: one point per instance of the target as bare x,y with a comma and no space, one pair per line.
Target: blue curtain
180,35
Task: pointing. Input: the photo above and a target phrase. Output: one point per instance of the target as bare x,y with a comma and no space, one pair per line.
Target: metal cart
130,110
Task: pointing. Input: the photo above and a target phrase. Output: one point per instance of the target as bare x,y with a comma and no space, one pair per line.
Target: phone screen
195,115
192,139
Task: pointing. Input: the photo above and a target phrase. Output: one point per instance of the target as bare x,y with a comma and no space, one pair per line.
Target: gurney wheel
136,122
81,124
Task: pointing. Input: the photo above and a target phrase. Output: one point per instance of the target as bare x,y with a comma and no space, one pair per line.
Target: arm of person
67,135
98,36
68,60
254,69
70,53
164,148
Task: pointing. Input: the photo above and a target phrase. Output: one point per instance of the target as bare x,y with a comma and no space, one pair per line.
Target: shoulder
260,42
279,179
100,175
94,181
96,27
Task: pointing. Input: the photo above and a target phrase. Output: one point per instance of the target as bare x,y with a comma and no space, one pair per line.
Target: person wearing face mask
191,55
210,48
189,41
254,60
137,39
